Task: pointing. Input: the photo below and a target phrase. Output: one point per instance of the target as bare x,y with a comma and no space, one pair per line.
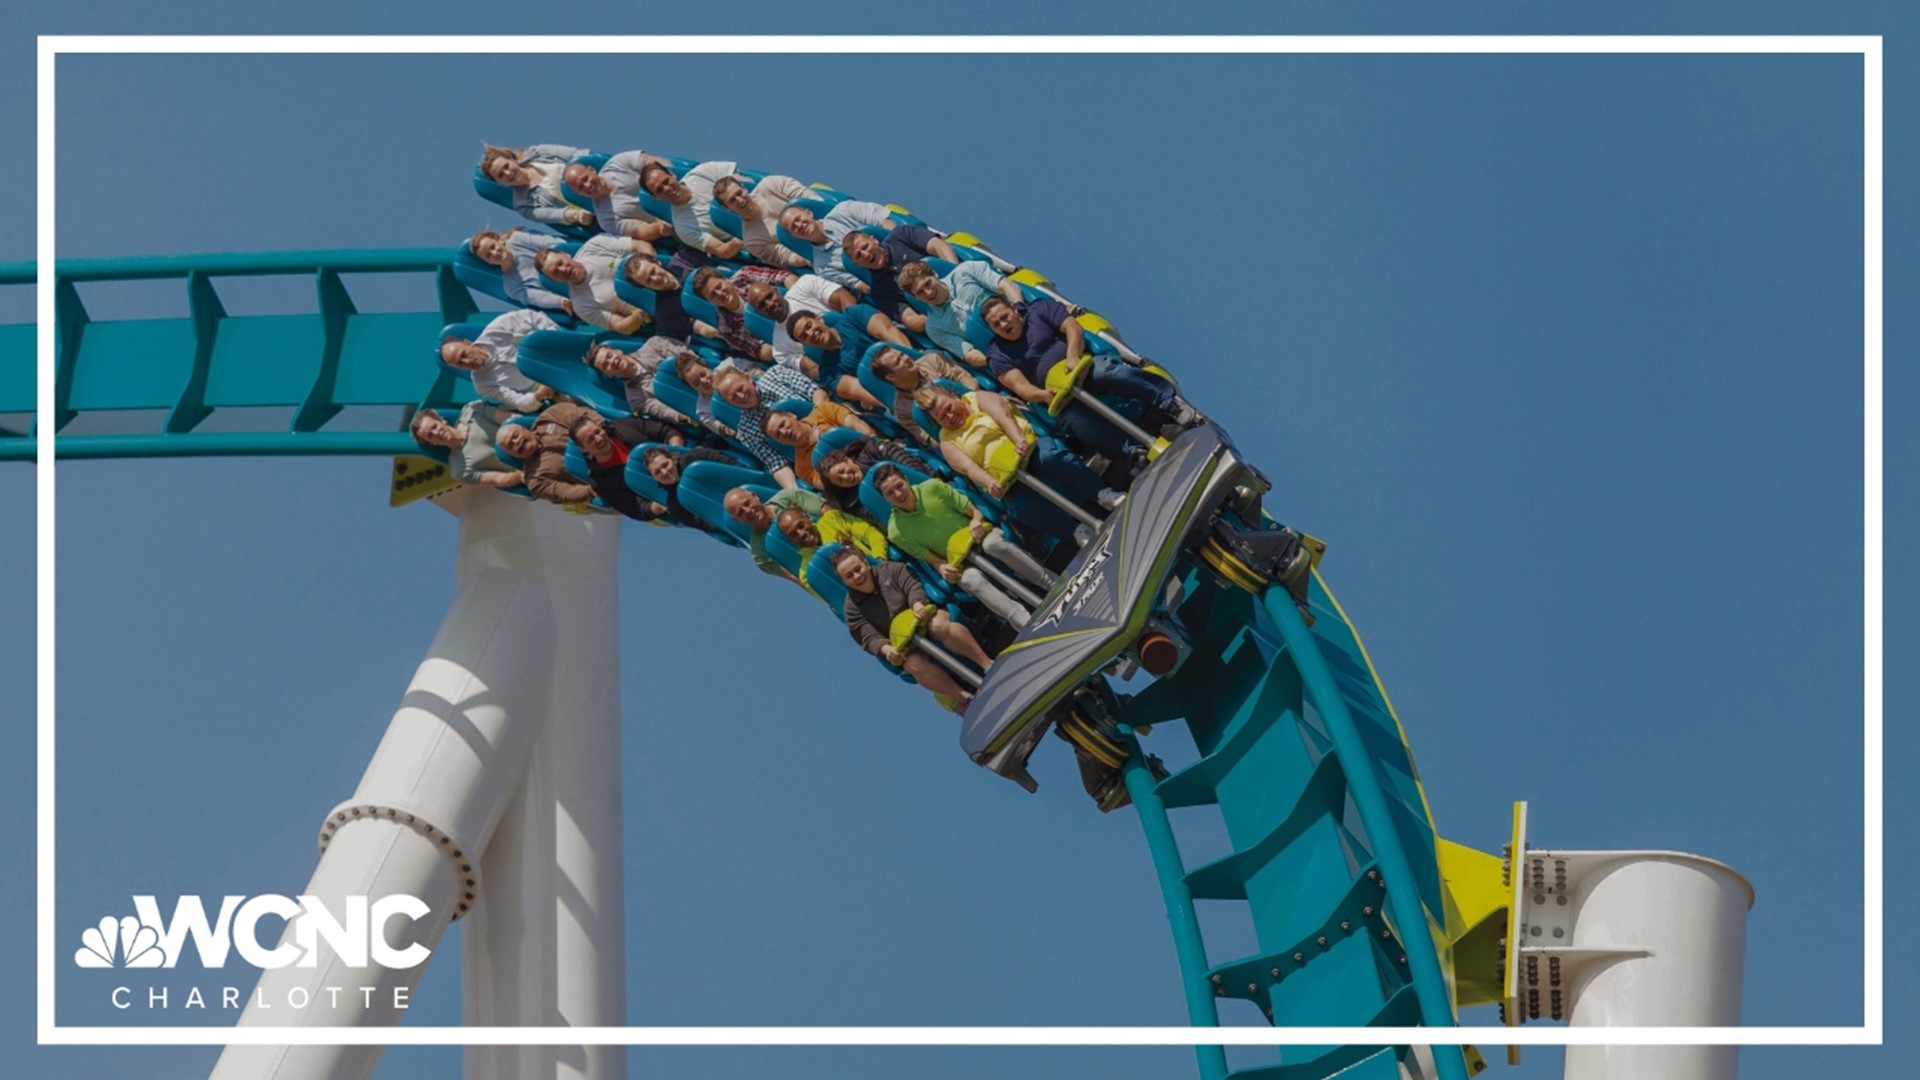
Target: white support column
546,945
441,779
1632,939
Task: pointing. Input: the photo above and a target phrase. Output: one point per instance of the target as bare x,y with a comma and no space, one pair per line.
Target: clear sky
1559,354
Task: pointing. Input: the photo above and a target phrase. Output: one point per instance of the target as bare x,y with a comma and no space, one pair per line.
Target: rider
939,526
953,299
877,597
468,442
985,441
614,188
492,359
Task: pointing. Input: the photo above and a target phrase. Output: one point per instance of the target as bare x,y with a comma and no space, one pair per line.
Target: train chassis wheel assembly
1252,559
1086,722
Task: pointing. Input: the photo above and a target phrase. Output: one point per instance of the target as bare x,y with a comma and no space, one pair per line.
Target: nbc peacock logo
124,942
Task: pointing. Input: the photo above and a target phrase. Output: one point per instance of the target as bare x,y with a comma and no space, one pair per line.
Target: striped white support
532,627
546,945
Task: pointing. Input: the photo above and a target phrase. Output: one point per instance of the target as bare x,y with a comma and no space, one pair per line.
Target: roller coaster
1187,604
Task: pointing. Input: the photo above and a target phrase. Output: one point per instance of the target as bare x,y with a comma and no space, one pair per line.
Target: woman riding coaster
887,611
989,444
512,253
534,174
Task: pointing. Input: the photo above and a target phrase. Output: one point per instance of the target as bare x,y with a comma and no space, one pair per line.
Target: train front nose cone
1158,653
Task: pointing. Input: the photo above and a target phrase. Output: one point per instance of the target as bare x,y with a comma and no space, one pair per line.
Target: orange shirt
825,417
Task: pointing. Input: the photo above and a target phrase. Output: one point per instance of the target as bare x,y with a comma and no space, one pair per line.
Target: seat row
907,426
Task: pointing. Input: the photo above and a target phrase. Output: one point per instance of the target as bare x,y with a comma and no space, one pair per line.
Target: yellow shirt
839,527
985,444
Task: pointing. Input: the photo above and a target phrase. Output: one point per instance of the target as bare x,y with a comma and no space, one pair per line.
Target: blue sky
1560,354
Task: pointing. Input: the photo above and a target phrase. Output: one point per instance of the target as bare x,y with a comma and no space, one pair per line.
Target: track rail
1335,856
296,373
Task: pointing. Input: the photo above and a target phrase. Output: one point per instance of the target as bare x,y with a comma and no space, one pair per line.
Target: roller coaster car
1197,497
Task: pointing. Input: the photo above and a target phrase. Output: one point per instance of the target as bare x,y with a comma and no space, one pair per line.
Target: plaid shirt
752,434
932,367
767,275
780,383
776,384
733,324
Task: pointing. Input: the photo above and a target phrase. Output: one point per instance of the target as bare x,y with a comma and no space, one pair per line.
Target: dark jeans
1117,378
1054,465
1112,378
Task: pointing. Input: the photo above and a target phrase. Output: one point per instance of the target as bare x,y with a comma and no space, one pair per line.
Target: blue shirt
1042,345
851,325
970,283
904,244
669,317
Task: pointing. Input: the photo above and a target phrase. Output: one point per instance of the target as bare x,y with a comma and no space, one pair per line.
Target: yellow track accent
965,238
1089,738
1476,913
416,477
1050,637
1030,277
1092,323
1515,866
1229,566
1468,874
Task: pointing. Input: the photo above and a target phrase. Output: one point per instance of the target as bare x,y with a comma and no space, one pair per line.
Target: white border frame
1869,1033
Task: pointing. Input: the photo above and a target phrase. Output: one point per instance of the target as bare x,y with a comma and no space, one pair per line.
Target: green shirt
938,513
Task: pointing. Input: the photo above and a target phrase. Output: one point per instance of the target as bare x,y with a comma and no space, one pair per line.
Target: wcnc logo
355,937
147,941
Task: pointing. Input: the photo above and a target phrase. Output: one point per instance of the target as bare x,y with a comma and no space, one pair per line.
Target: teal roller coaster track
1361,911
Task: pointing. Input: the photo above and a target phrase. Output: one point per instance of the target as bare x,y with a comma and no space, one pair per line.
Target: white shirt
621,209
499,378
693,223
812,293
786,351
596,302
761,235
